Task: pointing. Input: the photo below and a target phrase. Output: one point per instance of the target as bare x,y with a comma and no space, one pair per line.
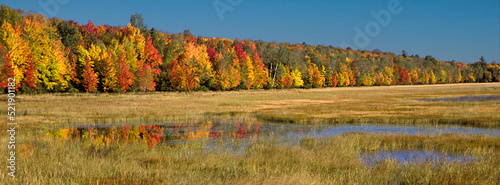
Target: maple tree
146,81
261,73
297,78
315,76
286,79
48,54
89,77
55,55
6,69
152,57
125,77
17,50
31,78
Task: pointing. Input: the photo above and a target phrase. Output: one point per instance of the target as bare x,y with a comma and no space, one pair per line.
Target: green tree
70,36
137,21
11,16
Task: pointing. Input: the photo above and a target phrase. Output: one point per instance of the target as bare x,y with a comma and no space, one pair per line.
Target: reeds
264,160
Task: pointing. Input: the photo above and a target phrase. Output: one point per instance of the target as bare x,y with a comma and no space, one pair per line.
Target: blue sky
461,30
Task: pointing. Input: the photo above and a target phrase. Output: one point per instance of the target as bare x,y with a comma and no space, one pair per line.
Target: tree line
55,55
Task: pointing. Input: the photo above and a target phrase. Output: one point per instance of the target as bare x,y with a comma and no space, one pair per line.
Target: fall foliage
55,55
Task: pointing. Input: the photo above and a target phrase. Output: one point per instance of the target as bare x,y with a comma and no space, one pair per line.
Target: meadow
43,159
381,104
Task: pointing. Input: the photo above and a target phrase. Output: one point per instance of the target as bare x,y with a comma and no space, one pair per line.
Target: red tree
334,80
240,52
146,80
30,76
6,73
125,77
212,54
403,74
89,78
153,57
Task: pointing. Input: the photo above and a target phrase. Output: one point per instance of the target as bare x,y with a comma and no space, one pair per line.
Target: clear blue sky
461,30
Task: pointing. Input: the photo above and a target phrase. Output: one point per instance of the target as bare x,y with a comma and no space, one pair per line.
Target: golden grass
331,161
387,104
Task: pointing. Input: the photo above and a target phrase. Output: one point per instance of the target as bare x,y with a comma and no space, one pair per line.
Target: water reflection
412,157
464,98
153,135
236,137
409,130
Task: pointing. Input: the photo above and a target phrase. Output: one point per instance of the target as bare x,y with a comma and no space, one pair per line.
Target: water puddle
464,98
112,135
413,157
237,136
409,130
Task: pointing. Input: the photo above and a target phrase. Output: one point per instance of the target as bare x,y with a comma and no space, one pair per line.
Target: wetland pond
464,98
237,136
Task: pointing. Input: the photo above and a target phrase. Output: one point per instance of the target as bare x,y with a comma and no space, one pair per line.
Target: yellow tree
432,79
285,79
389,76
316,78
192,68
221,80
198,62
414,76
105,67
297,78
234,68
343,75
17,49
249,73
51,64
368,80
459,77
136,37
443,77
425,78
260,71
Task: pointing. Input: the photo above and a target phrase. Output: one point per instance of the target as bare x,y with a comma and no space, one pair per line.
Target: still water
237,136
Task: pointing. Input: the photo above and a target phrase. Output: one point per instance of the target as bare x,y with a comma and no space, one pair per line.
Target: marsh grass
45,160
265,160
389,104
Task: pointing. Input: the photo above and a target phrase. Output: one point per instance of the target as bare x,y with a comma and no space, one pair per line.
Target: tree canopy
54,55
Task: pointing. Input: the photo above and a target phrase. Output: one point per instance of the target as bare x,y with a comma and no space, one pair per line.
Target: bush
73,90
203,88
242,86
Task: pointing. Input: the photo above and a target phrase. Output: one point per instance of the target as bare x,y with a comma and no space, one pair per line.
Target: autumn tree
285,79
297,78
17,50
10,16
50,60
316,78
125,77
6,69
89,77
261,74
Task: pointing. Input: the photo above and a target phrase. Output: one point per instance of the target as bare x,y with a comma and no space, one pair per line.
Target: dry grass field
386,104
45,160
